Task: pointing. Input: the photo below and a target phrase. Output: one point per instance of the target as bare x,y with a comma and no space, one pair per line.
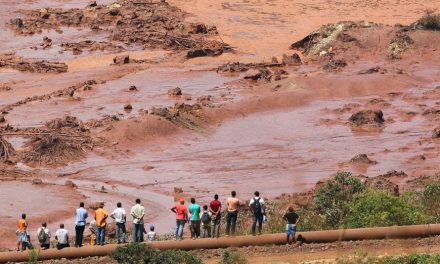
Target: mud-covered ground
81,121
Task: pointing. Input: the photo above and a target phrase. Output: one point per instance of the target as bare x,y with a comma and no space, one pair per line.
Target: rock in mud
198,29
178,190
372,70
367,118
2,119
435,133
291,60
37,181
128,107
175,91
18,22
362,159
132,88
258,74
70,184
121,59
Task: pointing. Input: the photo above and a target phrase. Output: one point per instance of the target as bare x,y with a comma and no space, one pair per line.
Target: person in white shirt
62,236
151,236
120,218
43,234
257,208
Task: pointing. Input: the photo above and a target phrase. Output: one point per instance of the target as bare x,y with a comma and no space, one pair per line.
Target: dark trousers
195,229
257,218
216,226
138,233
231,221
121,232
79,234
61,246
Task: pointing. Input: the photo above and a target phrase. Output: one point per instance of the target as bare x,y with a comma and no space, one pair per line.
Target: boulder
175,91
369,118
292,60
121,59
362,159
435,132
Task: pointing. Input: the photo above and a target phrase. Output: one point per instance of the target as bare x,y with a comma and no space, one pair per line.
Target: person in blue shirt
194,217
80,224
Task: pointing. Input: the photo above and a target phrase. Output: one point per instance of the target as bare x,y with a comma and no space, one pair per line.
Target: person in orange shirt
100,218
22,233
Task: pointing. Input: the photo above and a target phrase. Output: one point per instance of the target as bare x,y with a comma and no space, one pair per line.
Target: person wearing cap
151,236
181,218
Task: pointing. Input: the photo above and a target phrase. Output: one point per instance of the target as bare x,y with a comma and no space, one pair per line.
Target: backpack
206,218
256,206
42,236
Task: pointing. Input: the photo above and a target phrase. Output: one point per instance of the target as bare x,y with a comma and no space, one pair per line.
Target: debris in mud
380,183
294,59
121,59
394,173
53,148
128,107
149,25
175,91
132,88
18,63
147,168
362,159
372,70
242,67
204,100
66,122
400,43
59,93
47,43
90,45
432,112
6,150
181,114
2,119
258,74
367,118
4,87
436,132
333,64
37,181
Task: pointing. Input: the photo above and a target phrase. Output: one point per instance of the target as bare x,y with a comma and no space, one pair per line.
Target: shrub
375,208
429,21
133,253
333,198
413,259
233,256
431,200
136,253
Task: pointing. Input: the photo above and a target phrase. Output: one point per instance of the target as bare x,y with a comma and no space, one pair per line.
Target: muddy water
277,151
110,98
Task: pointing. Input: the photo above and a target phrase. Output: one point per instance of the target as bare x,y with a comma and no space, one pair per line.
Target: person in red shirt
181,218
215,208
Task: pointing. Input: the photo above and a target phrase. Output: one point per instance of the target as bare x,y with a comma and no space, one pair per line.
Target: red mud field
286,126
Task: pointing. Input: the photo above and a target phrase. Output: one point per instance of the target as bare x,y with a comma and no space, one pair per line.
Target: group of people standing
206,222
203,222
97,227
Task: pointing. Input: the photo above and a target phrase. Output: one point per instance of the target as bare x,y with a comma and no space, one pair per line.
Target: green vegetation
233,256
431,200
377,208
429,21
405,259
334,198
136,253
33,256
